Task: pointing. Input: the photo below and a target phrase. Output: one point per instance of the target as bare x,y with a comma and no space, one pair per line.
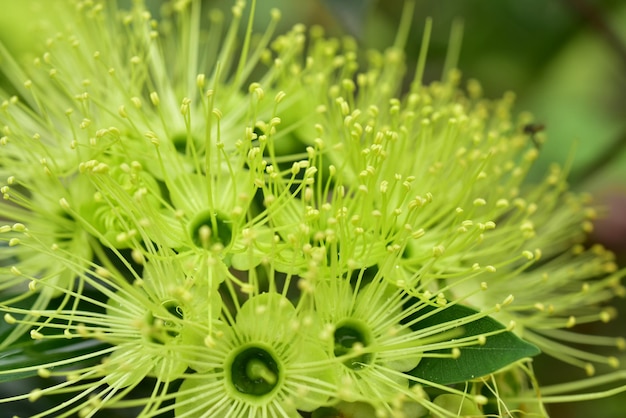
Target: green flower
273,227
435,177
153,327
37,222
376,333
162,320
267,364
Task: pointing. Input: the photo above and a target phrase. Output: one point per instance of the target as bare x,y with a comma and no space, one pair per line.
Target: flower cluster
203,221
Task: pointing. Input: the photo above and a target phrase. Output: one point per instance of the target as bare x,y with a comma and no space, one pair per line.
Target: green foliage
21,359
499,350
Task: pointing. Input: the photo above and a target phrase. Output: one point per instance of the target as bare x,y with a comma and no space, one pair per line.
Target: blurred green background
565,59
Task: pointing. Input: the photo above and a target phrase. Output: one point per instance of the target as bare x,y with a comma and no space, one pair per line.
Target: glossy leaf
499,351
35,353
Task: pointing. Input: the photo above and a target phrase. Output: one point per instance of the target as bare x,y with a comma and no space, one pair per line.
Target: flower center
350,338
254,371
210,228
180,142
163,330
175,310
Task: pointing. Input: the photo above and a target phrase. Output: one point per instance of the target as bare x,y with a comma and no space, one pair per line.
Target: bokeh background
565,60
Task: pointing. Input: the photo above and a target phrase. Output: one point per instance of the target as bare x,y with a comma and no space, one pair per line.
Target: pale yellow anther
9,319
152,137
438,250
154,98
280,96
102,272
502,203
605,316
456,353
209,341
247,288
18,227
34,395
508,300
480,202
200,81
137,256
489,225
527,226
136,101
36,335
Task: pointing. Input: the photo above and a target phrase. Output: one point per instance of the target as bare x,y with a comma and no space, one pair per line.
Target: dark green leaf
326,412
499,351
35,353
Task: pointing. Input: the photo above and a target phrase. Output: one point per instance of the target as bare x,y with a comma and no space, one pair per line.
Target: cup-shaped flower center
351,337
181,141
174,309
254,371
210,228
163,328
